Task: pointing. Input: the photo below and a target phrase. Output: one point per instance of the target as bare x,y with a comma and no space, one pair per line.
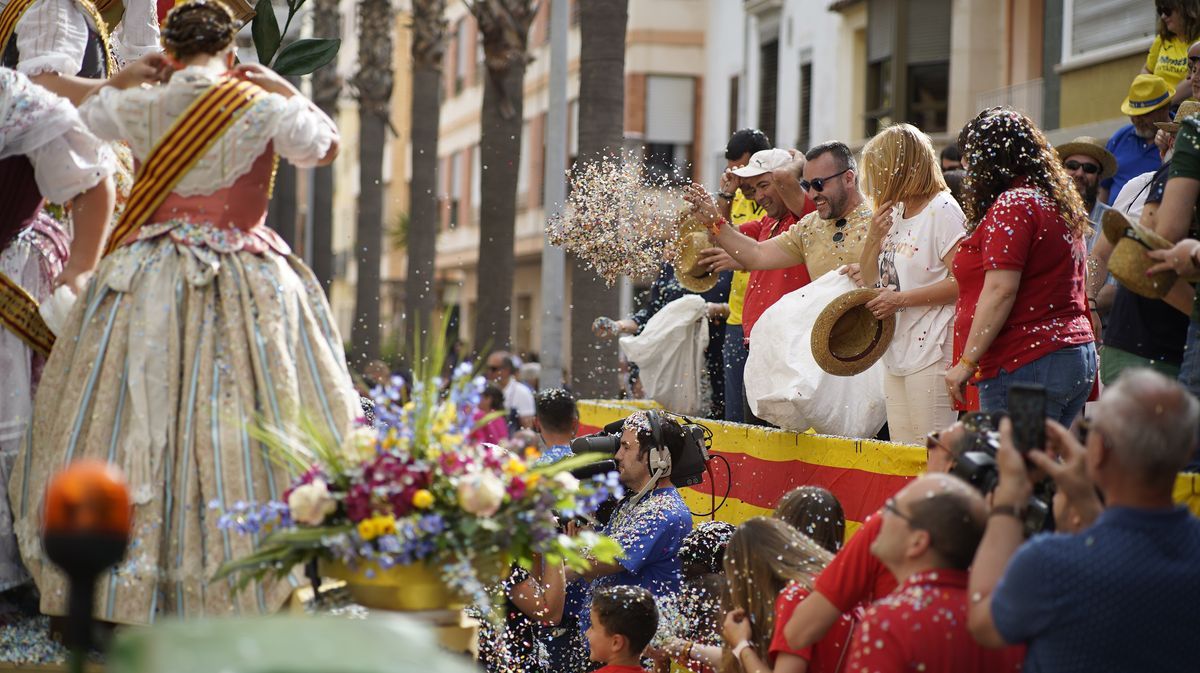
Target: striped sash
19,314
192,134
15,9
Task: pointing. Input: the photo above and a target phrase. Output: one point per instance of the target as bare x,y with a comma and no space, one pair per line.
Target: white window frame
1067,61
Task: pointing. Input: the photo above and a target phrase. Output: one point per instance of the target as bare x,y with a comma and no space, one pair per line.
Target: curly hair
1001,146
198,27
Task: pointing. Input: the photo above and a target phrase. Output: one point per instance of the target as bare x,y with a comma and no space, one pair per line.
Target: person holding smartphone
1021,314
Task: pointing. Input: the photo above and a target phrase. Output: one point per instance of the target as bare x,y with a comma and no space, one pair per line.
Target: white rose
480,494
311,503
567,481
359,445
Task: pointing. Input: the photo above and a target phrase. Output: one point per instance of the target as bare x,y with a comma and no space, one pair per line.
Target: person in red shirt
769,570
928,536
1021,314
624,619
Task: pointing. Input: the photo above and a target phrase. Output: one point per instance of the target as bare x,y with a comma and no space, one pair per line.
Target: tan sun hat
847,338
1187,110
688,271
1091,147
1129,261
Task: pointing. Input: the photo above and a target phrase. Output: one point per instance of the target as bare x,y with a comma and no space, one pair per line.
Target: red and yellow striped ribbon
12,13
192,134
19,314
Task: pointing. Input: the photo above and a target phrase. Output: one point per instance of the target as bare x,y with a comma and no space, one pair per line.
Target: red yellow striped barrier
766,463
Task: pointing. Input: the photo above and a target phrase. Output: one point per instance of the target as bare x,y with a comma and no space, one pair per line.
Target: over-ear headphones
660,455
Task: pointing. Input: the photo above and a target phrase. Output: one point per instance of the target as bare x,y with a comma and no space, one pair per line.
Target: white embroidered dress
184,339
65,159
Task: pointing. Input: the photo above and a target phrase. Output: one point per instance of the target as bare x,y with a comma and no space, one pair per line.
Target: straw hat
1187,110
1129,261
847,338
688,271
1147,93
1090,147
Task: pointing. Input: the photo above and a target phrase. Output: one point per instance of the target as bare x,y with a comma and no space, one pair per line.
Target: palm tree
428,47
504,26
327,23
374,83
601,132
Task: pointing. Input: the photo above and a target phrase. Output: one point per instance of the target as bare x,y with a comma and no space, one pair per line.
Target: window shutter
928,31
1096,24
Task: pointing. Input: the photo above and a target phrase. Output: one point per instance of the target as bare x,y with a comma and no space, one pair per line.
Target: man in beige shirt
823,240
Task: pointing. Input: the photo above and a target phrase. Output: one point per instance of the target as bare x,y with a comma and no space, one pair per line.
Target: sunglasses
1090,169
839,234
1164,10
1193,61
934,441
818,184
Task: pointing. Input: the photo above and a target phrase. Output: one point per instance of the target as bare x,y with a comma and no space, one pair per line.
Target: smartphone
1027,409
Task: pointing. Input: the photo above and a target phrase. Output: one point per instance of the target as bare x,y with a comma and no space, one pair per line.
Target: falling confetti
618,219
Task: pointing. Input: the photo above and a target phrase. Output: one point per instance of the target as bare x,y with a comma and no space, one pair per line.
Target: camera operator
557,421
1114,596
651,522
856,577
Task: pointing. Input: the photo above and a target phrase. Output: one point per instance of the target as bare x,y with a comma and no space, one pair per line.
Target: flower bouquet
410,492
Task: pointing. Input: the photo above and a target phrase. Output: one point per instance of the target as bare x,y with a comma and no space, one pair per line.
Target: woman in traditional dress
195,327
45,152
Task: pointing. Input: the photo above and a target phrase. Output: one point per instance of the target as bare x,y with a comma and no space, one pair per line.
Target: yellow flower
532,454
532,479
391,440
367,530
514,466
422,499
385,525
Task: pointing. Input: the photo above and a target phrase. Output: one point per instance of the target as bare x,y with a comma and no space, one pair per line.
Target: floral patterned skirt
182,342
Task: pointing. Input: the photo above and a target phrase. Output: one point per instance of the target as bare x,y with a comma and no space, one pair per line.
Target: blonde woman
908,254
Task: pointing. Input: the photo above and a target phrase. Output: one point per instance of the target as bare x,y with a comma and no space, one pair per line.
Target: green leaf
304,56
265,30
568,464
305,538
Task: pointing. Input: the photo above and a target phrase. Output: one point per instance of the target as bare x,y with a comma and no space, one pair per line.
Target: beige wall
1094,93
976,63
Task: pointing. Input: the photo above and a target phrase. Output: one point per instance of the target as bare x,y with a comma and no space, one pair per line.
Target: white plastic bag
786,387
670,355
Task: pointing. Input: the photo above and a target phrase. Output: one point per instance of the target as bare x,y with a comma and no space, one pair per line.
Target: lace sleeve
51,37
71,164
304,133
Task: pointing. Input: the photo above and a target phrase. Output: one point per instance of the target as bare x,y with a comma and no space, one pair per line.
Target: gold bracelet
964,360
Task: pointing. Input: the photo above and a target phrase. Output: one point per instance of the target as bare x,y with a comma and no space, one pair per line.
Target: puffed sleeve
103,113
71,164
51,37
304,133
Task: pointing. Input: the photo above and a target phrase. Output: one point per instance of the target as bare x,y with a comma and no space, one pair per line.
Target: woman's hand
150,69
956,381
881,222
736,627
74,278
265,78
886,303
1181,258
704,209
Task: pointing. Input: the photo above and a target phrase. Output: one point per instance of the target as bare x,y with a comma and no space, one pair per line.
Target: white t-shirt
518,396
910,257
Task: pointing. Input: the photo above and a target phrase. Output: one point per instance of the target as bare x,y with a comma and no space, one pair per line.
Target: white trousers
918,404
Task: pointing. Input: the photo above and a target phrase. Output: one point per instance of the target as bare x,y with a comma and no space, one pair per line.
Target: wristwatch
737,649
725,195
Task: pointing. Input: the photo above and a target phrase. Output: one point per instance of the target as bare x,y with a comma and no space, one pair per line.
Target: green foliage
304,56
301,57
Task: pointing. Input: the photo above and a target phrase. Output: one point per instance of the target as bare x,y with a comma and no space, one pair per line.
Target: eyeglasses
839,234
889,505
1089,168
934,441
1193,61
494,368
818,184
1164,10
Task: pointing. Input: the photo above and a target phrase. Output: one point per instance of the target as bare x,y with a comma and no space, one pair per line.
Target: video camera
976,465
687,468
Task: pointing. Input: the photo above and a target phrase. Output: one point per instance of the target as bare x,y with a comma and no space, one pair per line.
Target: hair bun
198,27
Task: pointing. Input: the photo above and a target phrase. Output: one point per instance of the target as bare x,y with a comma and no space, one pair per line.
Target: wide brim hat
1187,110
847,338
1091,147
688,271
1147,93
1129,261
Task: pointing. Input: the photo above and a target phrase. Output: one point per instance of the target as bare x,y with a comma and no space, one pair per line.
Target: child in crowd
624,619
815,512
495,430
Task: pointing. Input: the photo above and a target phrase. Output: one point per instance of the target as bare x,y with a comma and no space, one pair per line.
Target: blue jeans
1066,373
1189,371
734,354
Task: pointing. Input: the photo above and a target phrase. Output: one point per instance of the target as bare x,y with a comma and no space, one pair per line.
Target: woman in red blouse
1021,314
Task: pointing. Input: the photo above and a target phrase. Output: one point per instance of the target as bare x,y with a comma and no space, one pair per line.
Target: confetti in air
618,219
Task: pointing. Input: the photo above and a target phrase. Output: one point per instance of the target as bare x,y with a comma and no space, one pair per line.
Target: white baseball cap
764,161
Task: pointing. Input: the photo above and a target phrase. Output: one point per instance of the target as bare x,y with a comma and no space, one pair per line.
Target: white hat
764,161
